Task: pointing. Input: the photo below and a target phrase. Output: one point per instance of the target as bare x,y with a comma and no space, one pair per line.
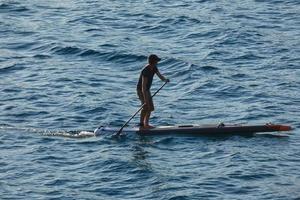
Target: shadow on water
140,155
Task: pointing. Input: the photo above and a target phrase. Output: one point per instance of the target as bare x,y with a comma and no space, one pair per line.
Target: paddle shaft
118,133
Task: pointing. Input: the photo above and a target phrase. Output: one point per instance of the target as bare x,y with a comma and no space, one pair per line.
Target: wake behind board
219,129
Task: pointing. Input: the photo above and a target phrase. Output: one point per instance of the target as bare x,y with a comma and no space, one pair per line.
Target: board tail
98,130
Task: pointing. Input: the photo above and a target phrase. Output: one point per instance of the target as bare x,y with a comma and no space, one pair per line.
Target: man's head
153,59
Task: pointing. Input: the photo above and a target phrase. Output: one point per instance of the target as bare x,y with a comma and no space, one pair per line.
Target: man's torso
148,72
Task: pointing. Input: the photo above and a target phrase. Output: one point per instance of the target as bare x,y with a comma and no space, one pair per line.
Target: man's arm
162,77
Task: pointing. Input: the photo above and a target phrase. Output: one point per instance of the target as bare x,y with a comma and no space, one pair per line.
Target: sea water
67,67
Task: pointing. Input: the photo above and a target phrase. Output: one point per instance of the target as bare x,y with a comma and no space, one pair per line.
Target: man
143,89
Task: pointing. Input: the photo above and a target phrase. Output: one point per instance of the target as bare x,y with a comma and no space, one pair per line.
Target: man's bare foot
148,126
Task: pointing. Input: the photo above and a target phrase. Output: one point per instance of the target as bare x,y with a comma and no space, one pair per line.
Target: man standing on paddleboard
143,89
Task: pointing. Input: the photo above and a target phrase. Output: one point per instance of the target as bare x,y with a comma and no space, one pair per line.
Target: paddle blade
118,135
119,132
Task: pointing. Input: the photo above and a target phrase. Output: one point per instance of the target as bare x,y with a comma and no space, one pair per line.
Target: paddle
121,129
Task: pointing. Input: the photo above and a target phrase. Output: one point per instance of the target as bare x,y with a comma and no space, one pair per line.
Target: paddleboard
218,129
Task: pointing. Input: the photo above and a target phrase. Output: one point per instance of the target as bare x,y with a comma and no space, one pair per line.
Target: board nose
280,127
285,128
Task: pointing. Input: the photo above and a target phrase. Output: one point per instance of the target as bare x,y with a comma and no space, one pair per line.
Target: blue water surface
67,67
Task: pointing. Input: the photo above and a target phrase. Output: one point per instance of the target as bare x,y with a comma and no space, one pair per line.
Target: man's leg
143,111
148,114
146,119
142,117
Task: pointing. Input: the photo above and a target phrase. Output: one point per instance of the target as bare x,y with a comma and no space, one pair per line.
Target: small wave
216,54
114,56
42,56
23,33
21,46
210,34
4,6
268,26
93,29
242,16
206,68
21,9
248,56
13,7
180,20
209,68
95,110
155,29
271,2
45,47
141,15
164,141
240,38
126,57
203,1
231,91
66,50
91,52
12,68
25,114
239,75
